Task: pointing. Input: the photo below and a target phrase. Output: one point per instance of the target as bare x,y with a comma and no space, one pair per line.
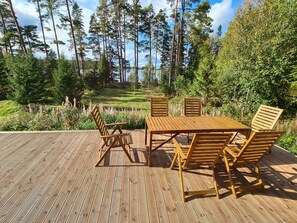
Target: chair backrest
99,121
159,107
206,149
266,118
257,146
192,107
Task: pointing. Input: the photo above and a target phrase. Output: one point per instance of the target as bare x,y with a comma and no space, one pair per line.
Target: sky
222,12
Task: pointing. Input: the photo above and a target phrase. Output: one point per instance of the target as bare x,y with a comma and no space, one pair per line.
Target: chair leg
215,183
229,175
127,152
257,170
181,178
101,157
173,161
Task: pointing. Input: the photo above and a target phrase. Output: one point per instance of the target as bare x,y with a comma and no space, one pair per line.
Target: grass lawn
122,98
8,107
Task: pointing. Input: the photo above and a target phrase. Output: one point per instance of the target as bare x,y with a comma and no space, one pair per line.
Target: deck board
51,177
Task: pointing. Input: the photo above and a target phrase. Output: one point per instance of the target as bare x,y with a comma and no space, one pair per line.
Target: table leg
145,136
150,150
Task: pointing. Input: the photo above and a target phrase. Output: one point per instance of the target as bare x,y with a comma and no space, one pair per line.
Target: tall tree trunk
18,27
5,31
124,51
150,63
42,29
172,50
73,38
135,42
156,54
55,32
180,45
120,45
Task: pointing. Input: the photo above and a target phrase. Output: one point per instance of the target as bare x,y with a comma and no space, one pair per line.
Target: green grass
8,107
121,98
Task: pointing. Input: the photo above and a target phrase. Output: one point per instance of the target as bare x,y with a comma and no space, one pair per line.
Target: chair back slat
192,106
159,106
99,121
257,146
266,118
206,149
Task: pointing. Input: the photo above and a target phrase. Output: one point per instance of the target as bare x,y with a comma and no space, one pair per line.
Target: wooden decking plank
34,204
28,186
65,173
170,206
115,203
107,195
160,200
125,192
98,198
67,190
150,195
87,208
16,154
74,203
18,169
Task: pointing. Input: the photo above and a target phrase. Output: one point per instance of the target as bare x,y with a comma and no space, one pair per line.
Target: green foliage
3,78
258,59
289,143
26,78
148,77
181,86
8,107
67,82
92,80
104,70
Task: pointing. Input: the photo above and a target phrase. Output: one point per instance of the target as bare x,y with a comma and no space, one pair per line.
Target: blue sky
222,12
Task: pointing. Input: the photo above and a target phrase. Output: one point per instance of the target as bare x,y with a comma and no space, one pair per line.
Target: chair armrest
115,124
115,135
231,151
178,149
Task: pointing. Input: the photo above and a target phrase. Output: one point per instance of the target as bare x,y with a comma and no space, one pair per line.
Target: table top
184,124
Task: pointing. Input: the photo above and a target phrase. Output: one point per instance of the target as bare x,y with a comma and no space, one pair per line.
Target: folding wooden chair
192,108
251,153
204,150
264,120
113,139
159,107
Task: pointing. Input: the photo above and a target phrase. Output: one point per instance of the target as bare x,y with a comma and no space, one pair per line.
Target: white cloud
25,12
221,13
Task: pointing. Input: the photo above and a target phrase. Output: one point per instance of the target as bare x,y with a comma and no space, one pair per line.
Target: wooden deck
50,177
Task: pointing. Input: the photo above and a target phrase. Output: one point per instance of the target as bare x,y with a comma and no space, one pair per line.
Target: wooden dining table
184,124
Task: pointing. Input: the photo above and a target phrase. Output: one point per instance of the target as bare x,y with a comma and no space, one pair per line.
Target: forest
254,62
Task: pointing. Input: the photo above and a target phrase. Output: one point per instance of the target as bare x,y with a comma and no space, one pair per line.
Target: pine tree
26,79
67,83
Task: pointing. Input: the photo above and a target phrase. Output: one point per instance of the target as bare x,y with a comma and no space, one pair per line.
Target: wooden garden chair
204,150
192,108
264,120
251,153
159,106
111,140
